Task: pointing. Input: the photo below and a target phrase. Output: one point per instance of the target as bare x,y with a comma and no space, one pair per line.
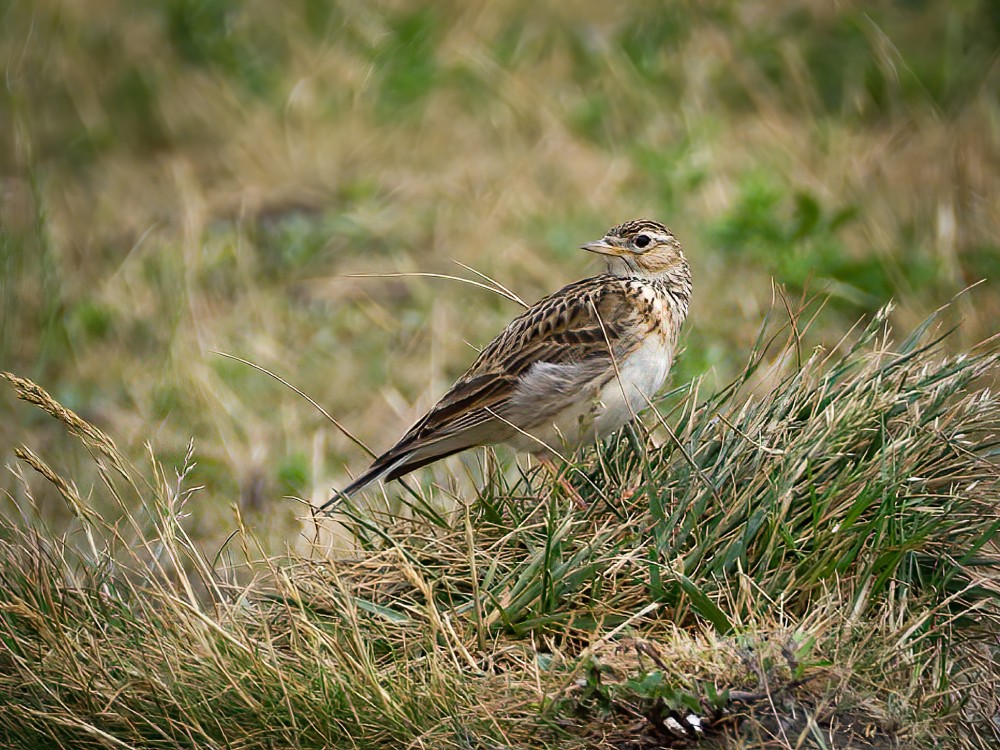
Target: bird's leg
559,479
638,446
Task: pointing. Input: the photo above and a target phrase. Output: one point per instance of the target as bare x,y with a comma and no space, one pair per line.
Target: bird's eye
642,240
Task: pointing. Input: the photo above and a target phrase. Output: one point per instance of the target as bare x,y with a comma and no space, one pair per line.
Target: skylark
571,369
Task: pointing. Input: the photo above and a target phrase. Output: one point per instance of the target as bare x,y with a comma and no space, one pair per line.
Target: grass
810,531
818,564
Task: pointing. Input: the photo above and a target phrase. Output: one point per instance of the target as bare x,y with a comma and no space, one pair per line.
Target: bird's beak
603,247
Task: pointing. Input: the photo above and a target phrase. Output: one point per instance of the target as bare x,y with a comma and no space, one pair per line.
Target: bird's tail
393,465
382,466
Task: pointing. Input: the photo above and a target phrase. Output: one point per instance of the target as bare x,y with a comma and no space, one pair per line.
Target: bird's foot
571,492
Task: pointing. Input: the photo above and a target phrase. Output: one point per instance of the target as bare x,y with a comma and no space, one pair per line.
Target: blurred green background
179,177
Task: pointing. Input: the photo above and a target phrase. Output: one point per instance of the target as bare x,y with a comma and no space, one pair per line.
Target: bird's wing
558,346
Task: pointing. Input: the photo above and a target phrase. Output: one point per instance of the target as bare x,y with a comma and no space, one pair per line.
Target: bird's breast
640,376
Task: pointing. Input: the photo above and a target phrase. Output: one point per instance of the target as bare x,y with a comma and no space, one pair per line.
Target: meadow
798,546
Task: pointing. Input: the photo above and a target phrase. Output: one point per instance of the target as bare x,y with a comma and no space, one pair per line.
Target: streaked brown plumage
574,367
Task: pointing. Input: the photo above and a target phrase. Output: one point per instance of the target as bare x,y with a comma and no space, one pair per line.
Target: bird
570,370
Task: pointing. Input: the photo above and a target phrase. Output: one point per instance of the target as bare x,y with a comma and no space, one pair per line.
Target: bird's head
640,248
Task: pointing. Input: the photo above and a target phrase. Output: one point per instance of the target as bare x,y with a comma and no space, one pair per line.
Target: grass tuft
800,558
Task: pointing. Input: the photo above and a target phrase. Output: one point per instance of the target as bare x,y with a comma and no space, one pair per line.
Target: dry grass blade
493,286
88,433
329,417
